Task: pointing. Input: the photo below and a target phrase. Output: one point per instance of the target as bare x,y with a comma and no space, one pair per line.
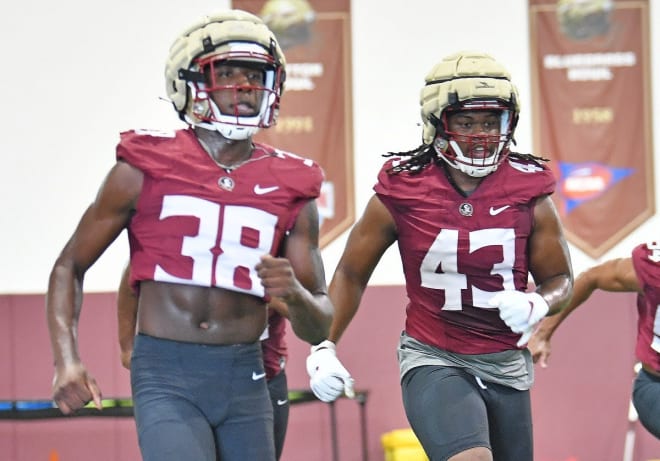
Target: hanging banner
315,118
591,98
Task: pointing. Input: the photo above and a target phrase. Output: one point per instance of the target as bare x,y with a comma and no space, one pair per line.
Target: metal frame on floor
122,407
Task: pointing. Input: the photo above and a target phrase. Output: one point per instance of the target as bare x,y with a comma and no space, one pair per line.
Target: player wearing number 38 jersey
471,220
197,223
218,226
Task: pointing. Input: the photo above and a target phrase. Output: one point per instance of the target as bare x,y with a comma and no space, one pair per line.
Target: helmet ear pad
440,144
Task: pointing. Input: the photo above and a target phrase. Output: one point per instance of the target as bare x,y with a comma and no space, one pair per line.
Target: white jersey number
234,255
443,254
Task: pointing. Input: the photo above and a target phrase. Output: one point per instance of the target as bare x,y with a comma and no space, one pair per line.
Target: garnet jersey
646,260
198,223
457,251
273,344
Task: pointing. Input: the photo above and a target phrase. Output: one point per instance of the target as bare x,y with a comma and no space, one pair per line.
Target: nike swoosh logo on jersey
264,190
496,211
281,402
257,376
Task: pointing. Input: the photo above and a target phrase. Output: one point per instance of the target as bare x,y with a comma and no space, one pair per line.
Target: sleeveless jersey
457,251
646,260
199,224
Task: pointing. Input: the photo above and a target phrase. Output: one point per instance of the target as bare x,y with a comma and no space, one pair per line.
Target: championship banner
315,119
591,98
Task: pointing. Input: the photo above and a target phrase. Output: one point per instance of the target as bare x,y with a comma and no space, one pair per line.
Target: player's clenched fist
328,378
520,311
73,388
277,277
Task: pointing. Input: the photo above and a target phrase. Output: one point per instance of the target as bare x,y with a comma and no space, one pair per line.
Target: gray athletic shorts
451,411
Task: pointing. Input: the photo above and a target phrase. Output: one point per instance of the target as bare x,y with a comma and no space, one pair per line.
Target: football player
218,225
471,220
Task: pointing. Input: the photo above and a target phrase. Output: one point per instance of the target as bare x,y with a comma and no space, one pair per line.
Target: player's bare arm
617,275
298,278
368,240
550,262
99,226
127,305
279,306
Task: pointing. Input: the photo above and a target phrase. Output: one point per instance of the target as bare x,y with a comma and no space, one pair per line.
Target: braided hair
425,154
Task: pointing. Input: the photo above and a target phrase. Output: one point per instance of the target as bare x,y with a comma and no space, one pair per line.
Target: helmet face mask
211,75
470,83
235,105
226,97
474,138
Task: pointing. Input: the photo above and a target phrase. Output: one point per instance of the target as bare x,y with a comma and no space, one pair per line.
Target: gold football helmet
468,81
231,37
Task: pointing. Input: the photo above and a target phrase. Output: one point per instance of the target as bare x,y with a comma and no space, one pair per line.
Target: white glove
328,377
520,311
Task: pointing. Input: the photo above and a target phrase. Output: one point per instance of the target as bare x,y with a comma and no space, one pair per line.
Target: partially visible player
640,273
275,355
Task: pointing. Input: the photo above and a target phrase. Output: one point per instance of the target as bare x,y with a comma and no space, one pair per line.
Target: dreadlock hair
529,157
419,158
426,154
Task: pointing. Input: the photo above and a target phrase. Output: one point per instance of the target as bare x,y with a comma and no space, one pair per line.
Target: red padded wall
580,402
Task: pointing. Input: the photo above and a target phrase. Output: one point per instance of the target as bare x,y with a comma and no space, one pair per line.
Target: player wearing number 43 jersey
218,226
471,220
485,235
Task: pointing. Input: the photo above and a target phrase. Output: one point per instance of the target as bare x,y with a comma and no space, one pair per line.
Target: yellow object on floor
402,445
